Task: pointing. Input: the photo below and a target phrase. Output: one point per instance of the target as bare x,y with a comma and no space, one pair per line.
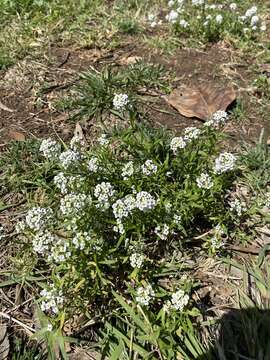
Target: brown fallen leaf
78,136
128,60
201,102
16,135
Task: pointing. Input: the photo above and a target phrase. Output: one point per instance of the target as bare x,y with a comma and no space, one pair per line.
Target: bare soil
30,88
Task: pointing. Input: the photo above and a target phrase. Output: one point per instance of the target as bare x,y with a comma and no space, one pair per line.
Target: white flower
177,143
171,3
103,192
218,118
225,162
238,206
52,299
69,158
191,133
73,204
242,18
80,240
263,27
119,227
162,232
233,6
120,101
145,201
61,182
197,2
252,11
177,219
2,232
37,218
254,20
183,23
144,295
204,181
219,19
149,168
93,165
103,140
59,252
50,148
130,202
49,327
267,199
119,209
179,300
151,17
42,242
136,260
172,16
128,170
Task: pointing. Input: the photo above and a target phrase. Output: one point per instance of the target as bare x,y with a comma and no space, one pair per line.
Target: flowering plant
209,21
121,210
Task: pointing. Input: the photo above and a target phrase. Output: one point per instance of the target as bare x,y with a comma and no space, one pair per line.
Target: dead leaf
4,107
16,135
128,60
4,342
78,136
201,102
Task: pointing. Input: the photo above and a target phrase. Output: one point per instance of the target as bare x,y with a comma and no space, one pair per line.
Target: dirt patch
30,88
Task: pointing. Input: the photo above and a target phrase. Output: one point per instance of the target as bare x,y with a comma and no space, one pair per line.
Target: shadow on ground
244,335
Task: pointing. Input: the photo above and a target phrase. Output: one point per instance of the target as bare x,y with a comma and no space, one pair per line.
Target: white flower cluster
123,207
162,231
267,199
149,168
37,218
104,192
238,206
144,295
191,133
59,252
197,2
72,204
175,16
177,219
50,148
136,260
145,201
252,19
225,162
103,140
80,240
93,165
42,242
119,227
120,209
177,143
52,300
120,101
65,183
216,240
178,301
2,232
204,181
61,182
128,170
153,20
218,118
69,158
